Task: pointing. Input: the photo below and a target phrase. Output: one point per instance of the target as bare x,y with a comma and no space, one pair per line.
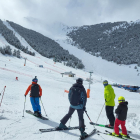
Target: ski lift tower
90,78
88,90
25,61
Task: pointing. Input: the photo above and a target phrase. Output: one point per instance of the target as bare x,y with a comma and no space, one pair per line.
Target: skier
77,97
121,114
109,96
35,94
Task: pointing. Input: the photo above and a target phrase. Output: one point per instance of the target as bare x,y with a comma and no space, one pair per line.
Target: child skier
121,115
35,94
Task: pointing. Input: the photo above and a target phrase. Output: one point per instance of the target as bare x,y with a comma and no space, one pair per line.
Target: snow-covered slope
15,127
122,74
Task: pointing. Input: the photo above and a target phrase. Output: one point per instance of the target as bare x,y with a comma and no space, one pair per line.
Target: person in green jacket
109,97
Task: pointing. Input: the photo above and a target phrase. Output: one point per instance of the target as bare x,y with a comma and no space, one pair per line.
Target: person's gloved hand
84,108
40,97
25,95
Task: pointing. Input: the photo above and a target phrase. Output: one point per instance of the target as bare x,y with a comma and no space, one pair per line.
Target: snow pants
116,127
35,104
110,114
80,116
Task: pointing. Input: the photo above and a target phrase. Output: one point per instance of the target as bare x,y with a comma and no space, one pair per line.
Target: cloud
70,12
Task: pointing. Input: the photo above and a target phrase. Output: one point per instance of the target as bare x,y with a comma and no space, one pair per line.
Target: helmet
105,82
121,99
79,81
35,79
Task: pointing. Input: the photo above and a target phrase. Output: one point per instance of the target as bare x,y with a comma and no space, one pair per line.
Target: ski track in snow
55,100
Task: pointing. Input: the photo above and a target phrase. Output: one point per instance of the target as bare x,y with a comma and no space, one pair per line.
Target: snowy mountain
55,30
115,42
128,72
42,44
55,100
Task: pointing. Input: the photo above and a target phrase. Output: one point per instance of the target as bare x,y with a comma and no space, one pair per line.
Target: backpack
34,90
75,96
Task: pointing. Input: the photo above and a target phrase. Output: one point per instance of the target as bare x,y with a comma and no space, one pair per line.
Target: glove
84,108
40,97
105,100
25,95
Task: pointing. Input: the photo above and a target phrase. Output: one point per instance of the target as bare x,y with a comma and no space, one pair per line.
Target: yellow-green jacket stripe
109,95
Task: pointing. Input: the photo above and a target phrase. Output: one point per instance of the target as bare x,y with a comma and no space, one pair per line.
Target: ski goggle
121,100
35,80
104,83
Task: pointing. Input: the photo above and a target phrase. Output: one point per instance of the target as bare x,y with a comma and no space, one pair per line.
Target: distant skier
121,115
109,96
77,97
35,94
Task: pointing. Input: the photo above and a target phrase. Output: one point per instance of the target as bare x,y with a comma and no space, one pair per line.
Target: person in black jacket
77,97
121,115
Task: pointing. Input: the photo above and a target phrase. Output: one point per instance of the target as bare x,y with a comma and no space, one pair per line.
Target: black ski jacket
121,111
83,99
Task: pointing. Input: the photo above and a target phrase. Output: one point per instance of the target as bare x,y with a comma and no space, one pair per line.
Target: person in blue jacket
77,97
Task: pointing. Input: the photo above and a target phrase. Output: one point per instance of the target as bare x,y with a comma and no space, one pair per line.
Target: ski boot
125,136
83,134
116,135
61,127
109,126
36,113
39,115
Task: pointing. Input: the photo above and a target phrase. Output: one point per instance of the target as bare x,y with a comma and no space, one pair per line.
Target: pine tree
18,54
15,53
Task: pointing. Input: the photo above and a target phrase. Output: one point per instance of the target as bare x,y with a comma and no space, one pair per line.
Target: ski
30,112
55,129
89,135
110,134
119,137
101,125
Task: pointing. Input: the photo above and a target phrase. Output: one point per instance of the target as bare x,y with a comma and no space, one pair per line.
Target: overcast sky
71,12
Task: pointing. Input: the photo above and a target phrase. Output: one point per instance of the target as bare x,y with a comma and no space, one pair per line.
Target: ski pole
100,113
2,96
88,115
89,118
43,107
24,106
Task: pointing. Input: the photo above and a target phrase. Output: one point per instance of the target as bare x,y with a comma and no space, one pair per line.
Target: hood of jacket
34,83
78,85
124,103
108,86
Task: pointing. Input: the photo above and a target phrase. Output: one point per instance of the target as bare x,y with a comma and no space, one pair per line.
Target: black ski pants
80,115
110,114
